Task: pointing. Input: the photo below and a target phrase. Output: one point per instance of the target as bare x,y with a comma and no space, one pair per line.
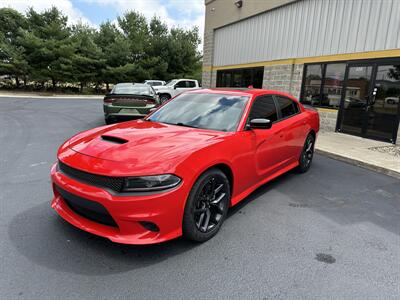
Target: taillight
109,100
150,101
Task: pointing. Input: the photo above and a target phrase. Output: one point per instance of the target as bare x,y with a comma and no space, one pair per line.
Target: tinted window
264,108
191,84
133,89
208,111
181,84
287,106
246,77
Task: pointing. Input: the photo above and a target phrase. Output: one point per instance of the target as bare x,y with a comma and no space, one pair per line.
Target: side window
181,84
287,106
264,108
191,84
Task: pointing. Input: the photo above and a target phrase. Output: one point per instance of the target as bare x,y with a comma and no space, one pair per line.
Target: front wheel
307,154
207,206
164,98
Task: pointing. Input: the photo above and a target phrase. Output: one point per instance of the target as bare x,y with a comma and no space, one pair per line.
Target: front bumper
128,212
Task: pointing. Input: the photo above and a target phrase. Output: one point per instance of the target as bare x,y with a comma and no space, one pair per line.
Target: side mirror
175,86
260,124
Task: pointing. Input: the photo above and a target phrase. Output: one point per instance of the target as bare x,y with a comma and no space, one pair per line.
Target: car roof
242,92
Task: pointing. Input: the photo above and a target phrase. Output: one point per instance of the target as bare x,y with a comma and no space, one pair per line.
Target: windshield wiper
184,125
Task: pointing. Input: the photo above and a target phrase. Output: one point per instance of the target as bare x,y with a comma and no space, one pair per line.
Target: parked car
175,87
154,82
392,100
129,101
177,171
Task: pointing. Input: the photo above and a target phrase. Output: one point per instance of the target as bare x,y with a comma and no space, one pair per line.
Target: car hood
144,144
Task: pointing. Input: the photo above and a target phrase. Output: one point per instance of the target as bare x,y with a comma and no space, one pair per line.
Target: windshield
171,82
207,111
131,89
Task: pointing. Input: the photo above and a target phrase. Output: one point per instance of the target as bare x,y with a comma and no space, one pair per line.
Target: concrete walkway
374,155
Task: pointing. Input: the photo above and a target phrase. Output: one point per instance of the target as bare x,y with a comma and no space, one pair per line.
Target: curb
359,163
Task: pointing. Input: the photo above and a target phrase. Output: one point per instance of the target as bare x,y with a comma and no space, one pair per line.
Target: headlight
150,183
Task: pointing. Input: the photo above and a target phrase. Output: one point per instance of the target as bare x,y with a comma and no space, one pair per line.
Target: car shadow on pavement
46,239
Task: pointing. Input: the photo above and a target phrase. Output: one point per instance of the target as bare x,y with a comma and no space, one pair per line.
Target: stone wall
207,57
327,119
286,78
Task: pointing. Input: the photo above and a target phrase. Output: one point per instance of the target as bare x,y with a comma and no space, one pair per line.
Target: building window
241,78
323,84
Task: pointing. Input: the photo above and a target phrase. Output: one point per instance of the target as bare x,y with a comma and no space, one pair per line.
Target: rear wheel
307,154
207,206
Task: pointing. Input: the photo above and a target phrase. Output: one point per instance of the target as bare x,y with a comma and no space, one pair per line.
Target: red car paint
253,157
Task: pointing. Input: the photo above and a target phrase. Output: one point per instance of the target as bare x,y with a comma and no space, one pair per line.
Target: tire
164,97
307,154
203,204
108,121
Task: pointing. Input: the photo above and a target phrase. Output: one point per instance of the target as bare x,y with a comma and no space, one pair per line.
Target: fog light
150,226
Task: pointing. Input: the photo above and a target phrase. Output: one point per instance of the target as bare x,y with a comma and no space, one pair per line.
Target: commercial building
341,56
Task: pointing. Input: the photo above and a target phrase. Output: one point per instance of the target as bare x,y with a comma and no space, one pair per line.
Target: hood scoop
114,139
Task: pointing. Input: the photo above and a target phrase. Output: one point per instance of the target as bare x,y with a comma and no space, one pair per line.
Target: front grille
113,183
86,208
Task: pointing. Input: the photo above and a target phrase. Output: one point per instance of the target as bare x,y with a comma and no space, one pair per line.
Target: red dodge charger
177,171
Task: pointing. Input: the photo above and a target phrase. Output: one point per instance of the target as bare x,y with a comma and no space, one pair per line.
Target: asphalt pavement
332,233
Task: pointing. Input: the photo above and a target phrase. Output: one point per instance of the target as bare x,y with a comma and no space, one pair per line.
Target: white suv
175,87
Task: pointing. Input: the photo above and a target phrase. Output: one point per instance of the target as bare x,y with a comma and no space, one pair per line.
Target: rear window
287,106
131,89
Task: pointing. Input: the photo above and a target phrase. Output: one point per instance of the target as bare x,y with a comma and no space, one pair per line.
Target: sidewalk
370,154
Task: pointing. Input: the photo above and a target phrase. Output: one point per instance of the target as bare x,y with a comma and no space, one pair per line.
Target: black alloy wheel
307,154
207,206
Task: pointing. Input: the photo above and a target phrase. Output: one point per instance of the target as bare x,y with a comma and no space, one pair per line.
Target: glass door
355,99
370,101
383,109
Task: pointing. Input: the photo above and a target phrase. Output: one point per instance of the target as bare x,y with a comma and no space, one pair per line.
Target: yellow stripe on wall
314,59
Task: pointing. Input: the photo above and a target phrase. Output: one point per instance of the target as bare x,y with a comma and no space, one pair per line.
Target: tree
48,45
43,47
87,61
184,60
116,51
135,29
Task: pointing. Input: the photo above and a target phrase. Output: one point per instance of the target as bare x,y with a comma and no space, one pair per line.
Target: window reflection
312,85
333,84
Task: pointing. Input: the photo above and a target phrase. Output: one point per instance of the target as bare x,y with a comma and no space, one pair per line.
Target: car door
293,126
269,154
181,86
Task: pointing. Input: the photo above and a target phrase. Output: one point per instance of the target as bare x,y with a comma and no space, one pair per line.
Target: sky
182,13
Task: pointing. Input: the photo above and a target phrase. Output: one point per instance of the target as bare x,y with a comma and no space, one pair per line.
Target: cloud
182,13
65,6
